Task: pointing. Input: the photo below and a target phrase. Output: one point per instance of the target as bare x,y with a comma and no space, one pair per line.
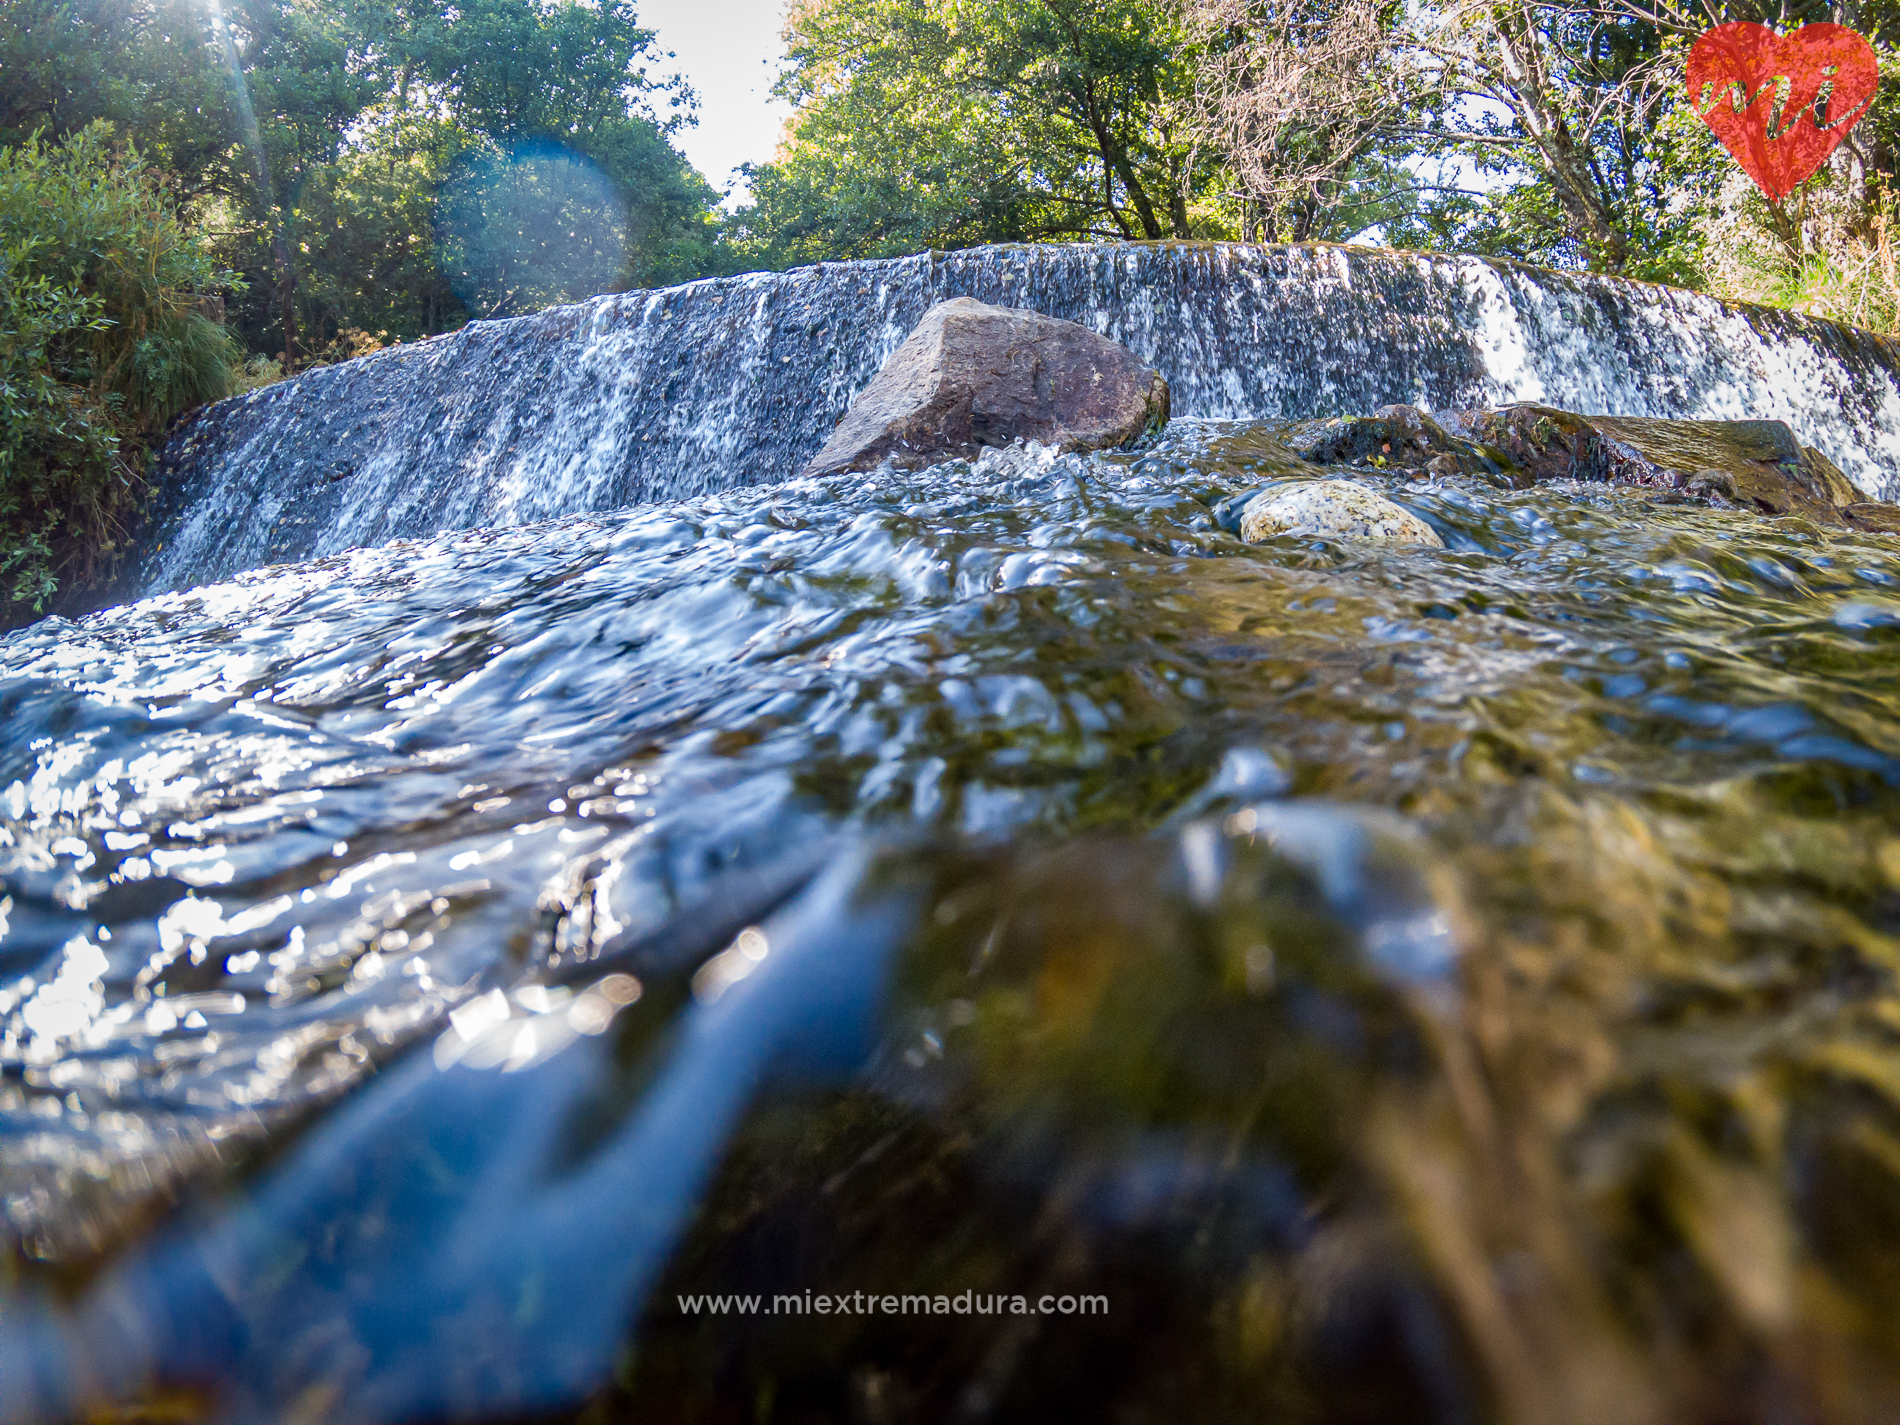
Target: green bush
103,339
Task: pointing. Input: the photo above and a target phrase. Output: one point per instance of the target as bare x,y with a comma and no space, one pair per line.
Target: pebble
1335,507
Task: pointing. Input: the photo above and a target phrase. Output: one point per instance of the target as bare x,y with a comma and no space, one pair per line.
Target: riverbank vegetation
107,331
338,177
1554,134
365,165
379,170
302,183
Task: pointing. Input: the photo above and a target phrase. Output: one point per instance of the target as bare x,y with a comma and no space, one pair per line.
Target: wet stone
1758,465
1392,435
1767,468
1397,437
1711,484
1332,507
1874,518
1548,444
973,375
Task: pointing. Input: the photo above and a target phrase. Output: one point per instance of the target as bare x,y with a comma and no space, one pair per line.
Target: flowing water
1145,976
698,389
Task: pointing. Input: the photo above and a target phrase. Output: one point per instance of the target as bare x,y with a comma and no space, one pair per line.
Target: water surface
1442,984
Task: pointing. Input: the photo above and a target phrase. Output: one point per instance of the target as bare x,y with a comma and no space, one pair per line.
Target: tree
312,141
531,75
951,122
530,226
143,66
365,230
1576,115
1560,103
1332,112
238,103
1307,103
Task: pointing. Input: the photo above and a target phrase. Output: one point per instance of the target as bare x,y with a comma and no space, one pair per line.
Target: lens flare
531,226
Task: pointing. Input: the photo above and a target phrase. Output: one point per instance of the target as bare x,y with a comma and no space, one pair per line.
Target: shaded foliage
104,337
526,227
521,73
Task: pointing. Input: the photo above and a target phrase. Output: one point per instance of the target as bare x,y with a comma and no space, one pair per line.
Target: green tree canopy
526,75
363,111
947,122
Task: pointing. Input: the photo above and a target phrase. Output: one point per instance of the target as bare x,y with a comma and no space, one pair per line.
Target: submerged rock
1873,517
1397,437
1394,435
1336,507
1752,464
972,375
1757,465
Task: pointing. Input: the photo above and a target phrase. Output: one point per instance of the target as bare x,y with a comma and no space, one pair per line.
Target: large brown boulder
973,375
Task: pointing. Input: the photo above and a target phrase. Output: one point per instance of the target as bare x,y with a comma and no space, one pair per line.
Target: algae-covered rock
1767,468
1756,465
1751,465
1335,507
1545,443
1399,437
1873,518
1711,484
972,375
1392,435
1839,489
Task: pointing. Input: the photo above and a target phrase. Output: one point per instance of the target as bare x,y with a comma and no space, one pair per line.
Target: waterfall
642,396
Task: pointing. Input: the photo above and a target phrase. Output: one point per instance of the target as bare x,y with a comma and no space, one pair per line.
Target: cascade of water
732,382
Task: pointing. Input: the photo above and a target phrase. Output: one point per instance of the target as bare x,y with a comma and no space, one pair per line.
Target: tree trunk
1115,158
1585,208
1178,214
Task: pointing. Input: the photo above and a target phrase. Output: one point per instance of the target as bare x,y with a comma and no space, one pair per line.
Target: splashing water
723,384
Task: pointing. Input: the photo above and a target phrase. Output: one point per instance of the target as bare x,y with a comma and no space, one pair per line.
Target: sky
729,52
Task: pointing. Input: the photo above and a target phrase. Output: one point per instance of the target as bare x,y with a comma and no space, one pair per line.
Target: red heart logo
1780,105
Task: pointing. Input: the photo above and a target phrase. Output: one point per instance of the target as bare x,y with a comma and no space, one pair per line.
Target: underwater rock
971,375
1753,464
1337,507
1872,517
1397,437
